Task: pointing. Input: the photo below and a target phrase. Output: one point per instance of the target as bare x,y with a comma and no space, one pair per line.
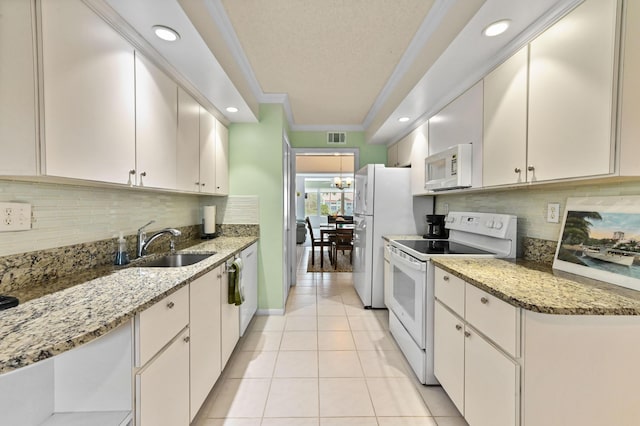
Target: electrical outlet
15,216
553,212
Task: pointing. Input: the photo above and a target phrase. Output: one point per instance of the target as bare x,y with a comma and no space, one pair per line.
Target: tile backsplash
529,204
64,214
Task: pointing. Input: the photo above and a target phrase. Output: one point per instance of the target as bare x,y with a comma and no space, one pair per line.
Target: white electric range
411,293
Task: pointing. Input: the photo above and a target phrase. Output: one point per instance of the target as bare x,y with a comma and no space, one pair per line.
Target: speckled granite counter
541,291
402,237
57,322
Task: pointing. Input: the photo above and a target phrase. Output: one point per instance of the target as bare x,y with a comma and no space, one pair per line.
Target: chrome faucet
143,242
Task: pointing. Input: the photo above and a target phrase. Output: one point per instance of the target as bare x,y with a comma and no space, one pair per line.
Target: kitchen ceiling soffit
189,60
441,56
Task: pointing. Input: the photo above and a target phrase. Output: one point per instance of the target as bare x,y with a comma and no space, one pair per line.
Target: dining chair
342,240
316,242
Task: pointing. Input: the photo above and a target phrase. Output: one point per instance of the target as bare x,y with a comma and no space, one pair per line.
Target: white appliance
411,291
249,283
383,205
449,169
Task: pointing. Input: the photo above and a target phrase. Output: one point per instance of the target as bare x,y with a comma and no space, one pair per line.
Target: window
321,199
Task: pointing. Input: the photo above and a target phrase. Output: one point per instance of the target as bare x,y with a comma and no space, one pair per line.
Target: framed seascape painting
600,239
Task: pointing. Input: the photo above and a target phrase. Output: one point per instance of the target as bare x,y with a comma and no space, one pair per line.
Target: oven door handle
409,262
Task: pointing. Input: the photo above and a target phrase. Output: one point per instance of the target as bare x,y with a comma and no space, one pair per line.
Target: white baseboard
270,312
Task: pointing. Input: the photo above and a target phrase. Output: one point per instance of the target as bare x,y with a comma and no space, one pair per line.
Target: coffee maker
435,227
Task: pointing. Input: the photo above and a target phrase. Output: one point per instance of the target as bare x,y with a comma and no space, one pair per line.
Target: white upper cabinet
222,159
629,124
207,152
202,141
18,141
392,155
504,142
188,152
571,94
405,146
458,123
89,99
419,151
399,154
156,126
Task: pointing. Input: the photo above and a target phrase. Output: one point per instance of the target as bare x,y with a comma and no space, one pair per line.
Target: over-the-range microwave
449,169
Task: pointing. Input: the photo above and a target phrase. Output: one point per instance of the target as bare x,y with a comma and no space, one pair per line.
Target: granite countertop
537,289
402,237
57,322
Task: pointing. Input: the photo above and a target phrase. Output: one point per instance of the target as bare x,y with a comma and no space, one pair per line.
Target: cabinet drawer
449,289
156,326
496,319
162,388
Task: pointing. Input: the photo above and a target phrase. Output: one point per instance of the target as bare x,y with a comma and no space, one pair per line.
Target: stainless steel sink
175,260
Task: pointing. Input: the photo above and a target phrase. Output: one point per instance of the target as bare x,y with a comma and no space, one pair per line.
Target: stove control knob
498,225
489,224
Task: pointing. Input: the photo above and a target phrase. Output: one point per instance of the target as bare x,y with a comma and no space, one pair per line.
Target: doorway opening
324,180
324,184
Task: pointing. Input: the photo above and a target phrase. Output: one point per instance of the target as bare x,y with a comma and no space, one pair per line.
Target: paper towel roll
209,218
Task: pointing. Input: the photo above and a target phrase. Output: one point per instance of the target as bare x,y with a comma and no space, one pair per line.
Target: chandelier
340,183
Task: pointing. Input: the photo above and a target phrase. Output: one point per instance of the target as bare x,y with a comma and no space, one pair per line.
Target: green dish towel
235,294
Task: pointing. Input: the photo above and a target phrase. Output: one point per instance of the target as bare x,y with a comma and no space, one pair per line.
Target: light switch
553,212
15,216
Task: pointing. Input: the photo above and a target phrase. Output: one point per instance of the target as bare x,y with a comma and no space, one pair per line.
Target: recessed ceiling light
496,28
232,109
403,119
165,33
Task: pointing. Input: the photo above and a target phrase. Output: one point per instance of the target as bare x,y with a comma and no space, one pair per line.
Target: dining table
329,229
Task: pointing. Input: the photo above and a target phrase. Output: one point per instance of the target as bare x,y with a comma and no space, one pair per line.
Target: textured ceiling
332,57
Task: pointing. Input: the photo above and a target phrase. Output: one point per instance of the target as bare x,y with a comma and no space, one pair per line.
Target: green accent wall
369,154
255,168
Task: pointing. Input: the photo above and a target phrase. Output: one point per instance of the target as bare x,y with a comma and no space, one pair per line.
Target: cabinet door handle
143,174
484,300
132,175
446,278
467,334
458,327
531,168
517,170
202,184
170,305
187,339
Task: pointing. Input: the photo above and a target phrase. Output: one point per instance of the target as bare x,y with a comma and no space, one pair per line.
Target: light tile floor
326,362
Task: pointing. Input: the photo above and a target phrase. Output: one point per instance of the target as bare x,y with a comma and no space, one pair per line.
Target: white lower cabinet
448,346
162,361
504,365
204,325
249,307
182,343
479,376
158,324
163,386
491,383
